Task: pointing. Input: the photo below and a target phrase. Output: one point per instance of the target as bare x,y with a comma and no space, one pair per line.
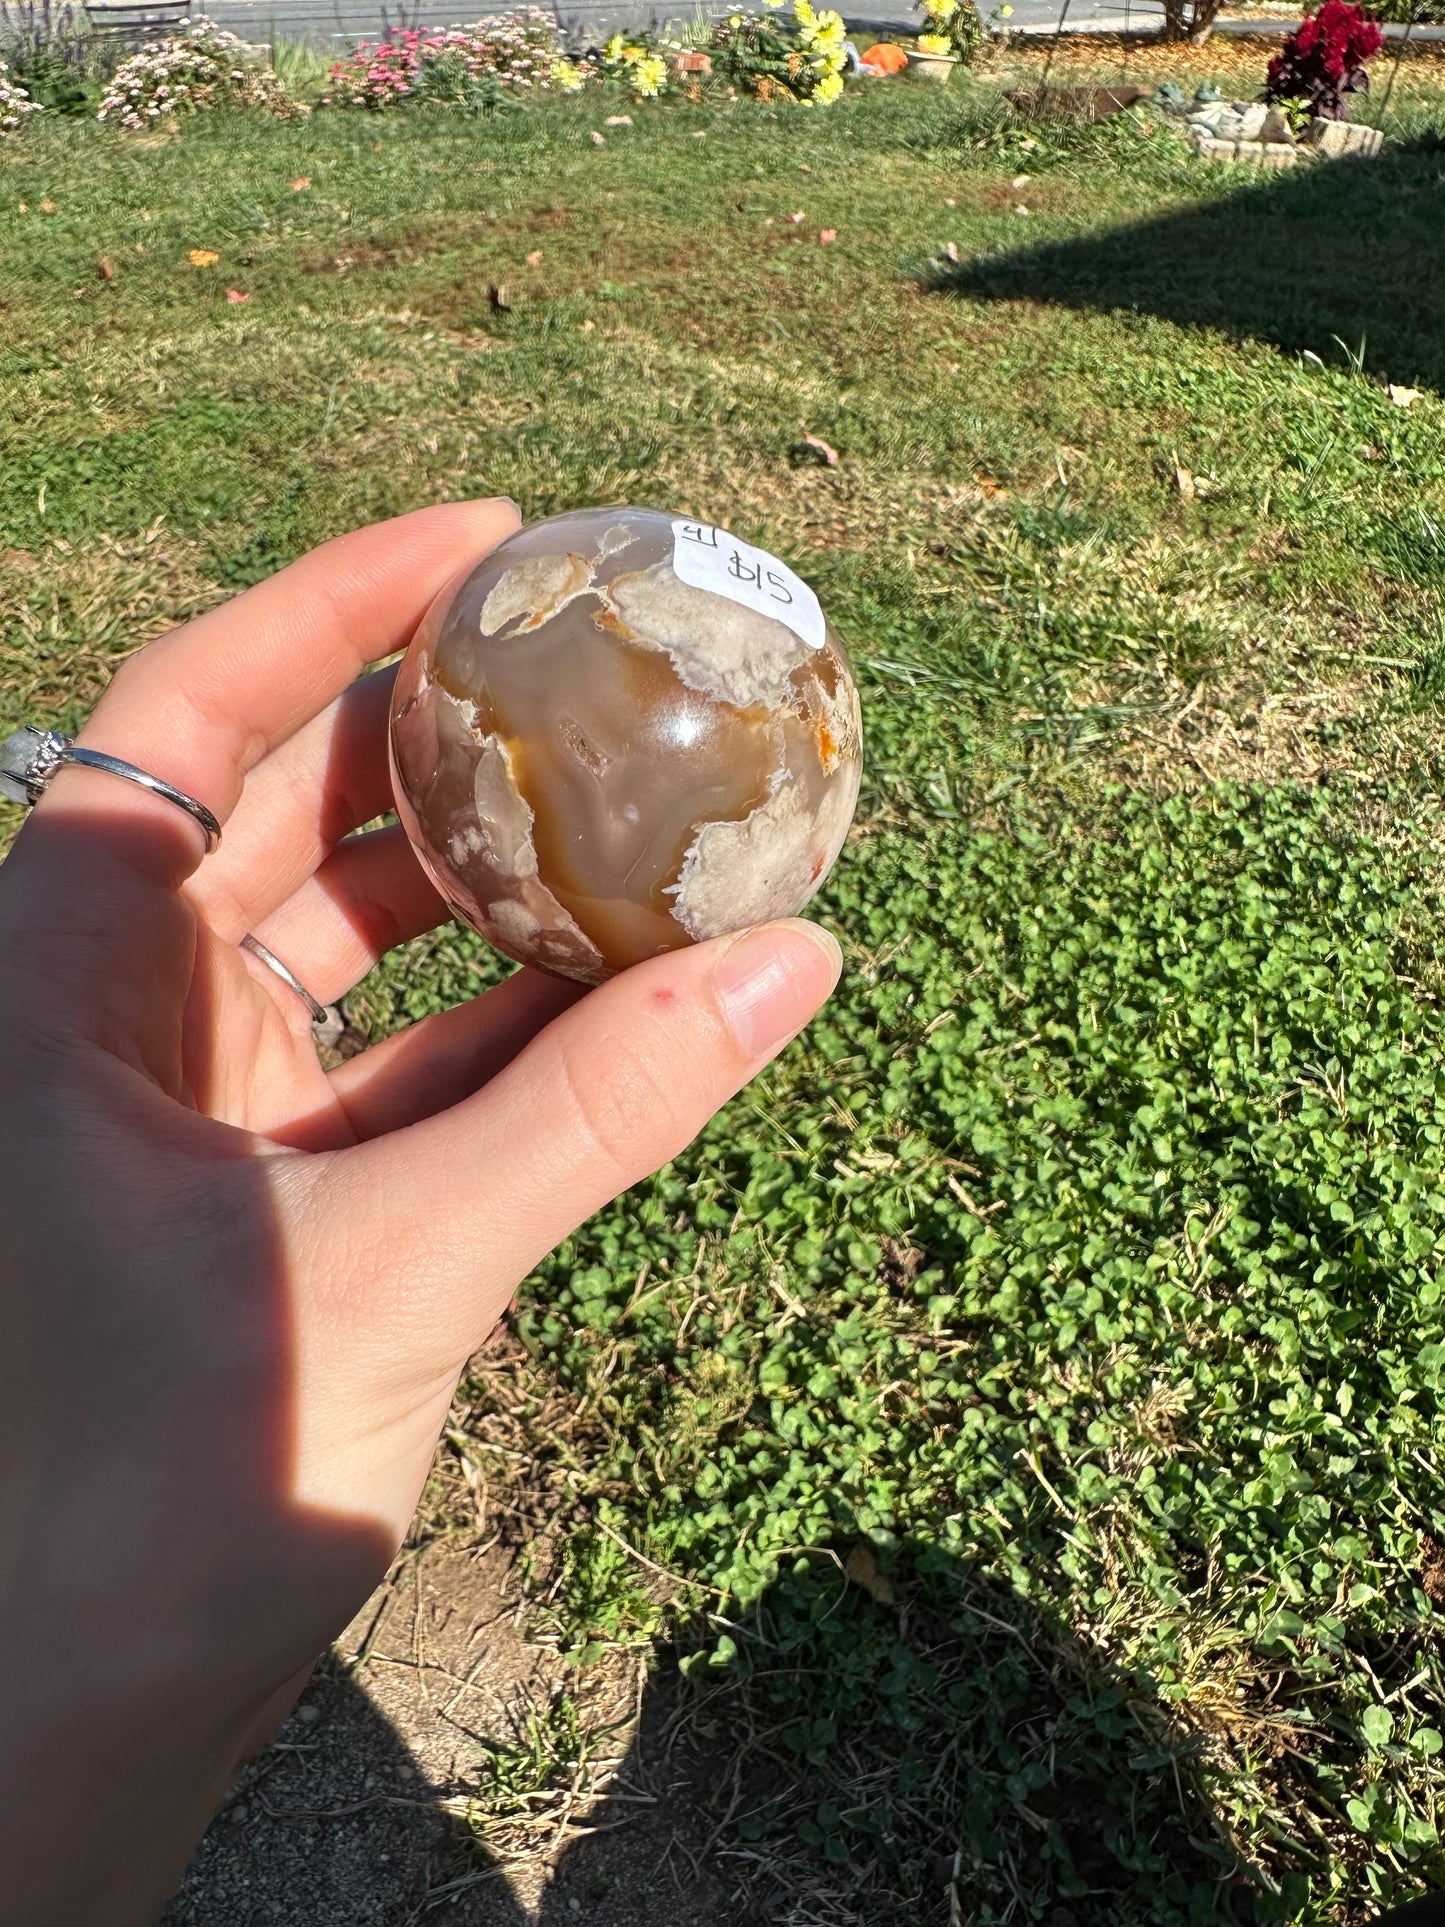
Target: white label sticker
709,558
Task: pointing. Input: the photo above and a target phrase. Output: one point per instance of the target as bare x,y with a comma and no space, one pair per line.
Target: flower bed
15,104
498,61
200,67
459,66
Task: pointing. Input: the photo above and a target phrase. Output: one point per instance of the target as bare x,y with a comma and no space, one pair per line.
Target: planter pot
935,67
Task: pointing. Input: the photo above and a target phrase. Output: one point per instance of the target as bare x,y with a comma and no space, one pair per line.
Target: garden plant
1323,62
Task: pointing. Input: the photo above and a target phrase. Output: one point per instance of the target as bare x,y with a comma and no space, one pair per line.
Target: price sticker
709,558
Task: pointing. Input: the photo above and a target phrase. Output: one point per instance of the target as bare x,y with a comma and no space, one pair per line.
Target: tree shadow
1343,250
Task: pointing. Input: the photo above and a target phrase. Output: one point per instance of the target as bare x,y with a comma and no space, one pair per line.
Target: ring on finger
32,758
320,1015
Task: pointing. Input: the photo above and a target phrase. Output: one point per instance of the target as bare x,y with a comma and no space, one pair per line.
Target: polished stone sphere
624,732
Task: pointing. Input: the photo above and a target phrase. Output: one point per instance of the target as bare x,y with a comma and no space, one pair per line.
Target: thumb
457,1209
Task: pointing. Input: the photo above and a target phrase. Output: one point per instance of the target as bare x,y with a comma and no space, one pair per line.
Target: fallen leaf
767,220
1021,209
497,295
25,207
700,137
141,248
825,449
235,296
827,235
990,488
203,257
534,259
794,220
1403,397
104,269
1373,452
861,1568
1029,146
47,207
1184,482
343,262
950,249
598,140
587,327
618,120
301,183
950,203
1020,180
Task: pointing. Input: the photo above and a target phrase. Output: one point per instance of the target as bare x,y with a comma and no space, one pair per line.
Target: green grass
1035,1378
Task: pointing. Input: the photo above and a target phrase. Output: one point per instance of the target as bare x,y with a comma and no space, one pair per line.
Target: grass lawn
1031,1388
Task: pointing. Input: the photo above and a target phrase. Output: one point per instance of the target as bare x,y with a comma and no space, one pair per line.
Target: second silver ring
319,1013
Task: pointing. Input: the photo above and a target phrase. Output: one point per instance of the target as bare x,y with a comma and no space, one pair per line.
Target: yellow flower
933,43
649,74
828,88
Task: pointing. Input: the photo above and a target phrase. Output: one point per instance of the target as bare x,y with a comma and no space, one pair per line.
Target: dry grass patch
72,612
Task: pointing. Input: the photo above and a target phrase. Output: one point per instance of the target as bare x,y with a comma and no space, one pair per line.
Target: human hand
236,1290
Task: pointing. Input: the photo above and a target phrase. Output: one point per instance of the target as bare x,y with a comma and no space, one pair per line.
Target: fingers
298,803
370,895
454,1210
202,706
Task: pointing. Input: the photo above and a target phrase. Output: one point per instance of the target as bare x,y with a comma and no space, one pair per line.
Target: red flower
1323,61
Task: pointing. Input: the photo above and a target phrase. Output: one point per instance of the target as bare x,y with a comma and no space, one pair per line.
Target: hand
236,1291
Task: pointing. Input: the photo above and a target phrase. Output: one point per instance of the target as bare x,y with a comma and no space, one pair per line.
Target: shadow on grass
907,1743
1344,249
876,1744
335,1825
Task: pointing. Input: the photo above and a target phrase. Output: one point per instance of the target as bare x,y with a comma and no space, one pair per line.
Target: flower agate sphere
623,733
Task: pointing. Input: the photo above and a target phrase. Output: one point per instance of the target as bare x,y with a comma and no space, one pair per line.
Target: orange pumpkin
884,58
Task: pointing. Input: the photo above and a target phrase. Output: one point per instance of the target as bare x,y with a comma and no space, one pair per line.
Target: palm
257,1067
257,708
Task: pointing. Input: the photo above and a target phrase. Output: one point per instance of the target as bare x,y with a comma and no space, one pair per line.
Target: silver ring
319,1013
31,759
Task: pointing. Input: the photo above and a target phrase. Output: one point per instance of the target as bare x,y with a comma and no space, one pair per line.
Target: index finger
204,704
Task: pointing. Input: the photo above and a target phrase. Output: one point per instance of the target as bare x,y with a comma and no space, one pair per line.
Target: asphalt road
336,23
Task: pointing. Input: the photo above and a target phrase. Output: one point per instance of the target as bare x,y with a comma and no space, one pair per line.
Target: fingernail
770,981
